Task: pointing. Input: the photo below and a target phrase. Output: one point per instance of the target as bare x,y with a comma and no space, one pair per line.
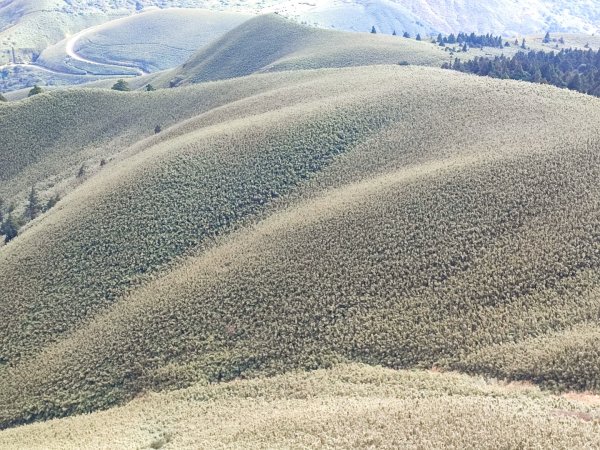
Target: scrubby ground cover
81,127
348,406
403,216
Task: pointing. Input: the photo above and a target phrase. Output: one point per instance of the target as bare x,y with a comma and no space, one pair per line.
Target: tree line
574,69
472,40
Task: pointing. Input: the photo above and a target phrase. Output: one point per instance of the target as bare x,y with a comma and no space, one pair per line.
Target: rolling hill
29,26
271,43
152,41
301,242
59,42
410,224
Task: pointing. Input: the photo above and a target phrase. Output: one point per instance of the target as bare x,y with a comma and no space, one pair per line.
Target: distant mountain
499,16
29,26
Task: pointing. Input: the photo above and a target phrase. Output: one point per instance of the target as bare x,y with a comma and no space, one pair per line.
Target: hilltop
271,43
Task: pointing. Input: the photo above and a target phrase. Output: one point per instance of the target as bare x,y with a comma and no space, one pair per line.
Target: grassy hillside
28,26
154,40
402,216
65,130
271,43
349,406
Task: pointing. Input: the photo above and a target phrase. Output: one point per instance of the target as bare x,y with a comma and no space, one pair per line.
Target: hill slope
349,406
152,41
67,131
403,216
271,43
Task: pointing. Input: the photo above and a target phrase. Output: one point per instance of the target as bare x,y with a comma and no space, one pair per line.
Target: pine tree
373,30
575,83
121,85
33,205
406,35
10,228
537,75
394,33
35,91
418,37
547,38
465,48
150,88
52,202
524,44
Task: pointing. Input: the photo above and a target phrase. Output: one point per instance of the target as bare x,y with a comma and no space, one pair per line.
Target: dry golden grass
401,216
349,406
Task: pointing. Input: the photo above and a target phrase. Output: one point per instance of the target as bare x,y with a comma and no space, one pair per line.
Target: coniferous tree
373,30
524,44
52,202
418,37
33,205
569,68
547,39
150,88
575,83
406,35
10,228
394,33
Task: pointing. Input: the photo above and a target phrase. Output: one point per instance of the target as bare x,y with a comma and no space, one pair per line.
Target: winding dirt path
72,41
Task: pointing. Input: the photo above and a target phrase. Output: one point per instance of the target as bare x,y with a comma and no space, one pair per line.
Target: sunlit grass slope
271,43
403,216
349,406
47,138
